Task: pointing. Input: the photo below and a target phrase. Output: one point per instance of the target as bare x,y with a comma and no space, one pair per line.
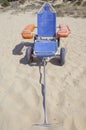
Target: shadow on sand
18,51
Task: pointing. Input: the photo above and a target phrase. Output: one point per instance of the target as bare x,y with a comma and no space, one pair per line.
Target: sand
21,101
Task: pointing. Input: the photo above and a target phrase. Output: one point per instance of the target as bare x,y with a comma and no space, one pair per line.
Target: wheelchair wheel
29,57
62,56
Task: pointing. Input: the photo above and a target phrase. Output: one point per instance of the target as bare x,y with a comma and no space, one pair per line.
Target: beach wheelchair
46,42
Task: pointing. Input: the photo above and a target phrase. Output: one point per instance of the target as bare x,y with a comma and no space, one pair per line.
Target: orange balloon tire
27,33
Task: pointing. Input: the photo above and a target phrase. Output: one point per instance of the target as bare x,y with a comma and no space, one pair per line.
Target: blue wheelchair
46,44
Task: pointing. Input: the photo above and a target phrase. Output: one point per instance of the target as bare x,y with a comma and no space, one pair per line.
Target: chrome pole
44,93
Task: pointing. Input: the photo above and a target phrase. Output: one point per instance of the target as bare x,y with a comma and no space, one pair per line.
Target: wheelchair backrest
46,20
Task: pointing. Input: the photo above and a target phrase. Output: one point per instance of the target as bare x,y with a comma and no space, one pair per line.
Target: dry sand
20,90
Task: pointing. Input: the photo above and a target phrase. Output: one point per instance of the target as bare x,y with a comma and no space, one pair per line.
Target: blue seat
45,48
46,28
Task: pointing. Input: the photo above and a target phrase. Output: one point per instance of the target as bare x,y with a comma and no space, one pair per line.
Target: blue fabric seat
45,48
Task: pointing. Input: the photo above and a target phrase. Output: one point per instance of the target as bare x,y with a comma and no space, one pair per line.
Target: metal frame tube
45,123
45,102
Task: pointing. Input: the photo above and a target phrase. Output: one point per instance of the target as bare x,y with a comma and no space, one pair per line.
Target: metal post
45,105
45,123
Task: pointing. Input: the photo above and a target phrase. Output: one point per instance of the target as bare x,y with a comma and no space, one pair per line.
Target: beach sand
21,100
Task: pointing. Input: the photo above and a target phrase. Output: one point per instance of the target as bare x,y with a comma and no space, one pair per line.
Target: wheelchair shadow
18,48
18,51
55,61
